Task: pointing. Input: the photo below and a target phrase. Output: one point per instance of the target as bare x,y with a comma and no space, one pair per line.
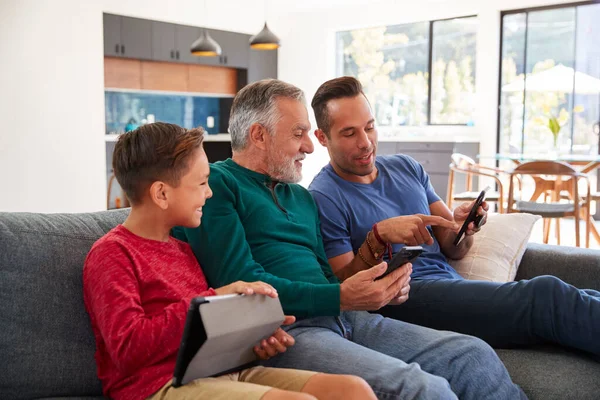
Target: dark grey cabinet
184,37
163,41
127,37
172,42
112,35
262,64
235,48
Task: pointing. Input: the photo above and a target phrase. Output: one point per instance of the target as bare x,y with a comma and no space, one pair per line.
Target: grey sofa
47,346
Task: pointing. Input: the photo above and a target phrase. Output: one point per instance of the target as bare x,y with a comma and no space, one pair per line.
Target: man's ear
322,137
258,136
159,194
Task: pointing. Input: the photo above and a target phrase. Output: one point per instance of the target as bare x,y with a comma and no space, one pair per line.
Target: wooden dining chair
464,165
555,177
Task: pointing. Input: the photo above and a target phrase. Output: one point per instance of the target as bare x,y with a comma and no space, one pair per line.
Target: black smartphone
472,217
406,254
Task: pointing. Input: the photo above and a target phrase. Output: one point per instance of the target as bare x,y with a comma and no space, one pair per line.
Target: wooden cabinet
127,37
121,73
262,65
164,76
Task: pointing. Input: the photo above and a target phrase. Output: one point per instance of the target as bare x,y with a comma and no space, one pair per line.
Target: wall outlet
210,122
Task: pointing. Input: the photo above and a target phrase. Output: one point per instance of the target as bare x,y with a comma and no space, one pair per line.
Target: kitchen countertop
401,137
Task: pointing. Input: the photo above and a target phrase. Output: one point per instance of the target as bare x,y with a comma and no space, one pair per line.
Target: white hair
256,103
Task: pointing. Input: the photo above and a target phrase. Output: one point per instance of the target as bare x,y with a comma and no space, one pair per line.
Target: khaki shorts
251,383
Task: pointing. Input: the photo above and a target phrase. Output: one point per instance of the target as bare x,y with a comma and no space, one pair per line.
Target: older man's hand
363,292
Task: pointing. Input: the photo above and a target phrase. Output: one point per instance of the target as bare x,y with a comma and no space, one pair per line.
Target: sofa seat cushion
551,372
46,341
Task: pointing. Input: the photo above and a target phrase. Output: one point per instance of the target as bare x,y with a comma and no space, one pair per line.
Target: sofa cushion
46,342
497,249
551,372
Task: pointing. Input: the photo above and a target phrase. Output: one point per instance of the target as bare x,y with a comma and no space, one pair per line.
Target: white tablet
220,334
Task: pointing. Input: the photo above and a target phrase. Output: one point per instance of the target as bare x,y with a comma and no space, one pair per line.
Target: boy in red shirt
139,281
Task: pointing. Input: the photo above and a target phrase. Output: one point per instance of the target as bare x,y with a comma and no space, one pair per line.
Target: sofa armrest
579,267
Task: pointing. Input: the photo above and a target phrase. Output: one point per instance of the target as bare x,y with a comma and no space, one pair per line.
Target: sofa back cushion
46,341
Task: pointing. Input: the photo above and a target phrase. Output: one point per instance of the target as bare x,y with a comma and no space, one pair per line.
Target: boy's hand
248,288
277,343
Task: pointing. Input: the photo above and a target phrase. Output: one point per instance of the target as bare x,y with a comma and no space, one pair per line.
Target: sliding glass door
549,94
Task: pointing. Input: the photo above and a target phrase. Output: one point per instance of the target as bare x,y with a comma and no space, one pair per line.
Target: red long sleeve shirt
137,292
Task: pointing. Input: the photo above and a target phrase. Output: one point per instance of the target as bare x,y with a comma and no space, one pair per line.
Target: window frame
429,66
430,75
527,11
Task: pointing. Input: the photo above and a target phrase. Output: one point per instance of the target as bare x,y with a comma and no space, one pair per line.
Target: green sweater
254,231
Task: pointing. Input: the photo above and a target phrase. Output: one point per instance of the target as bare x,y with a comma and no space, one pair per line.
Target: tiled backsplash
138,107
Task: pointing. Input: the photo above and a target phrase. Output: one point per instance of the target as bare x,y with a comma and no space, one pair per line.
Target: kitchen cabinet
163,41
262,64
127,37
134,38
171,42
235,48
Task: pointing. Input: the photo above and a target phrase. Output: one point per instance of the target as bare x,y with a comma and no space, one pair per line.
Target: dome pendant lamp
264,40
205,46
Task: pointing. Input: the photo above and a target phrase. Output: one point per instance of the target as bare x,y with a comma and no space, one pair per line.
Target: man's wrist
342,297
376,248
380,232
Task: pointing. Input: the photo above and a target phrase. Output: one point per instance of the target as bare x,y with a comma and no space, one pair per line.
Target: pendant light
205,46
265,39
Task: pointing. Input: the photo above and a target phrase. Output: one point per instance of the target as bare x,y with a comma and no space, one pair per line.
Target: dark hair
152,152
337,88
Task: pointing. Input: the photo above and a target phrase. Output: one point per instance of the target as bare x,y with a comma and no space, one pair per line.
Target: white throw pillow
497,248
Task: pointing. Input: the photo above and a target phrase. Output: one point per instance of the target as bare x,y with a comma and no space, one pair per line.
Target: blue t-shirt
348,210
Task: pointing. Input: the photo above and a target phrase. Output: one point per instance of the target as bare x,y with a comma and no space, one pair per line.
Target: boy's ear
158,194
258,136
321,137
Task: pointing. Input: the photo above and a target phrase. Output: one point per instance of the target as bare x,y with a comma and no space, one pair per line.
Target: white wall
307,55
52,151
51,77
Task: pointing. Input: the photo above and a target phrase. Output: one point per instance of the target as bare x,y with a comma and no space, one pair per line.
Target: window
453,71
393,64
549,93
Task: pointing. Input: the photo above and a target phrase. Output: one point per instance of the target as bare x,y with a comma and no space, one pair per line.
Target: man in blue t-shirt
367,203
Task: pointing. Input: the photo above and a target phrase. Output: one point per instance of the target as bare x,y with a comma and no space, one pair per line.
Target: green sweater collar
252,174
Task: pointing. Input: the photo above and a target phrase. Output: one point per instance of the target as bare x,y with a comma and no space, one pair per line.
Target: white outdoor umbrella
556,79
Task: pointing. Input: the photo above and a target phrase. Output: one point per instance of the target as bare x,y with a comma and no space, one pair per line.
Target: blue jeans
398,360
543,309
